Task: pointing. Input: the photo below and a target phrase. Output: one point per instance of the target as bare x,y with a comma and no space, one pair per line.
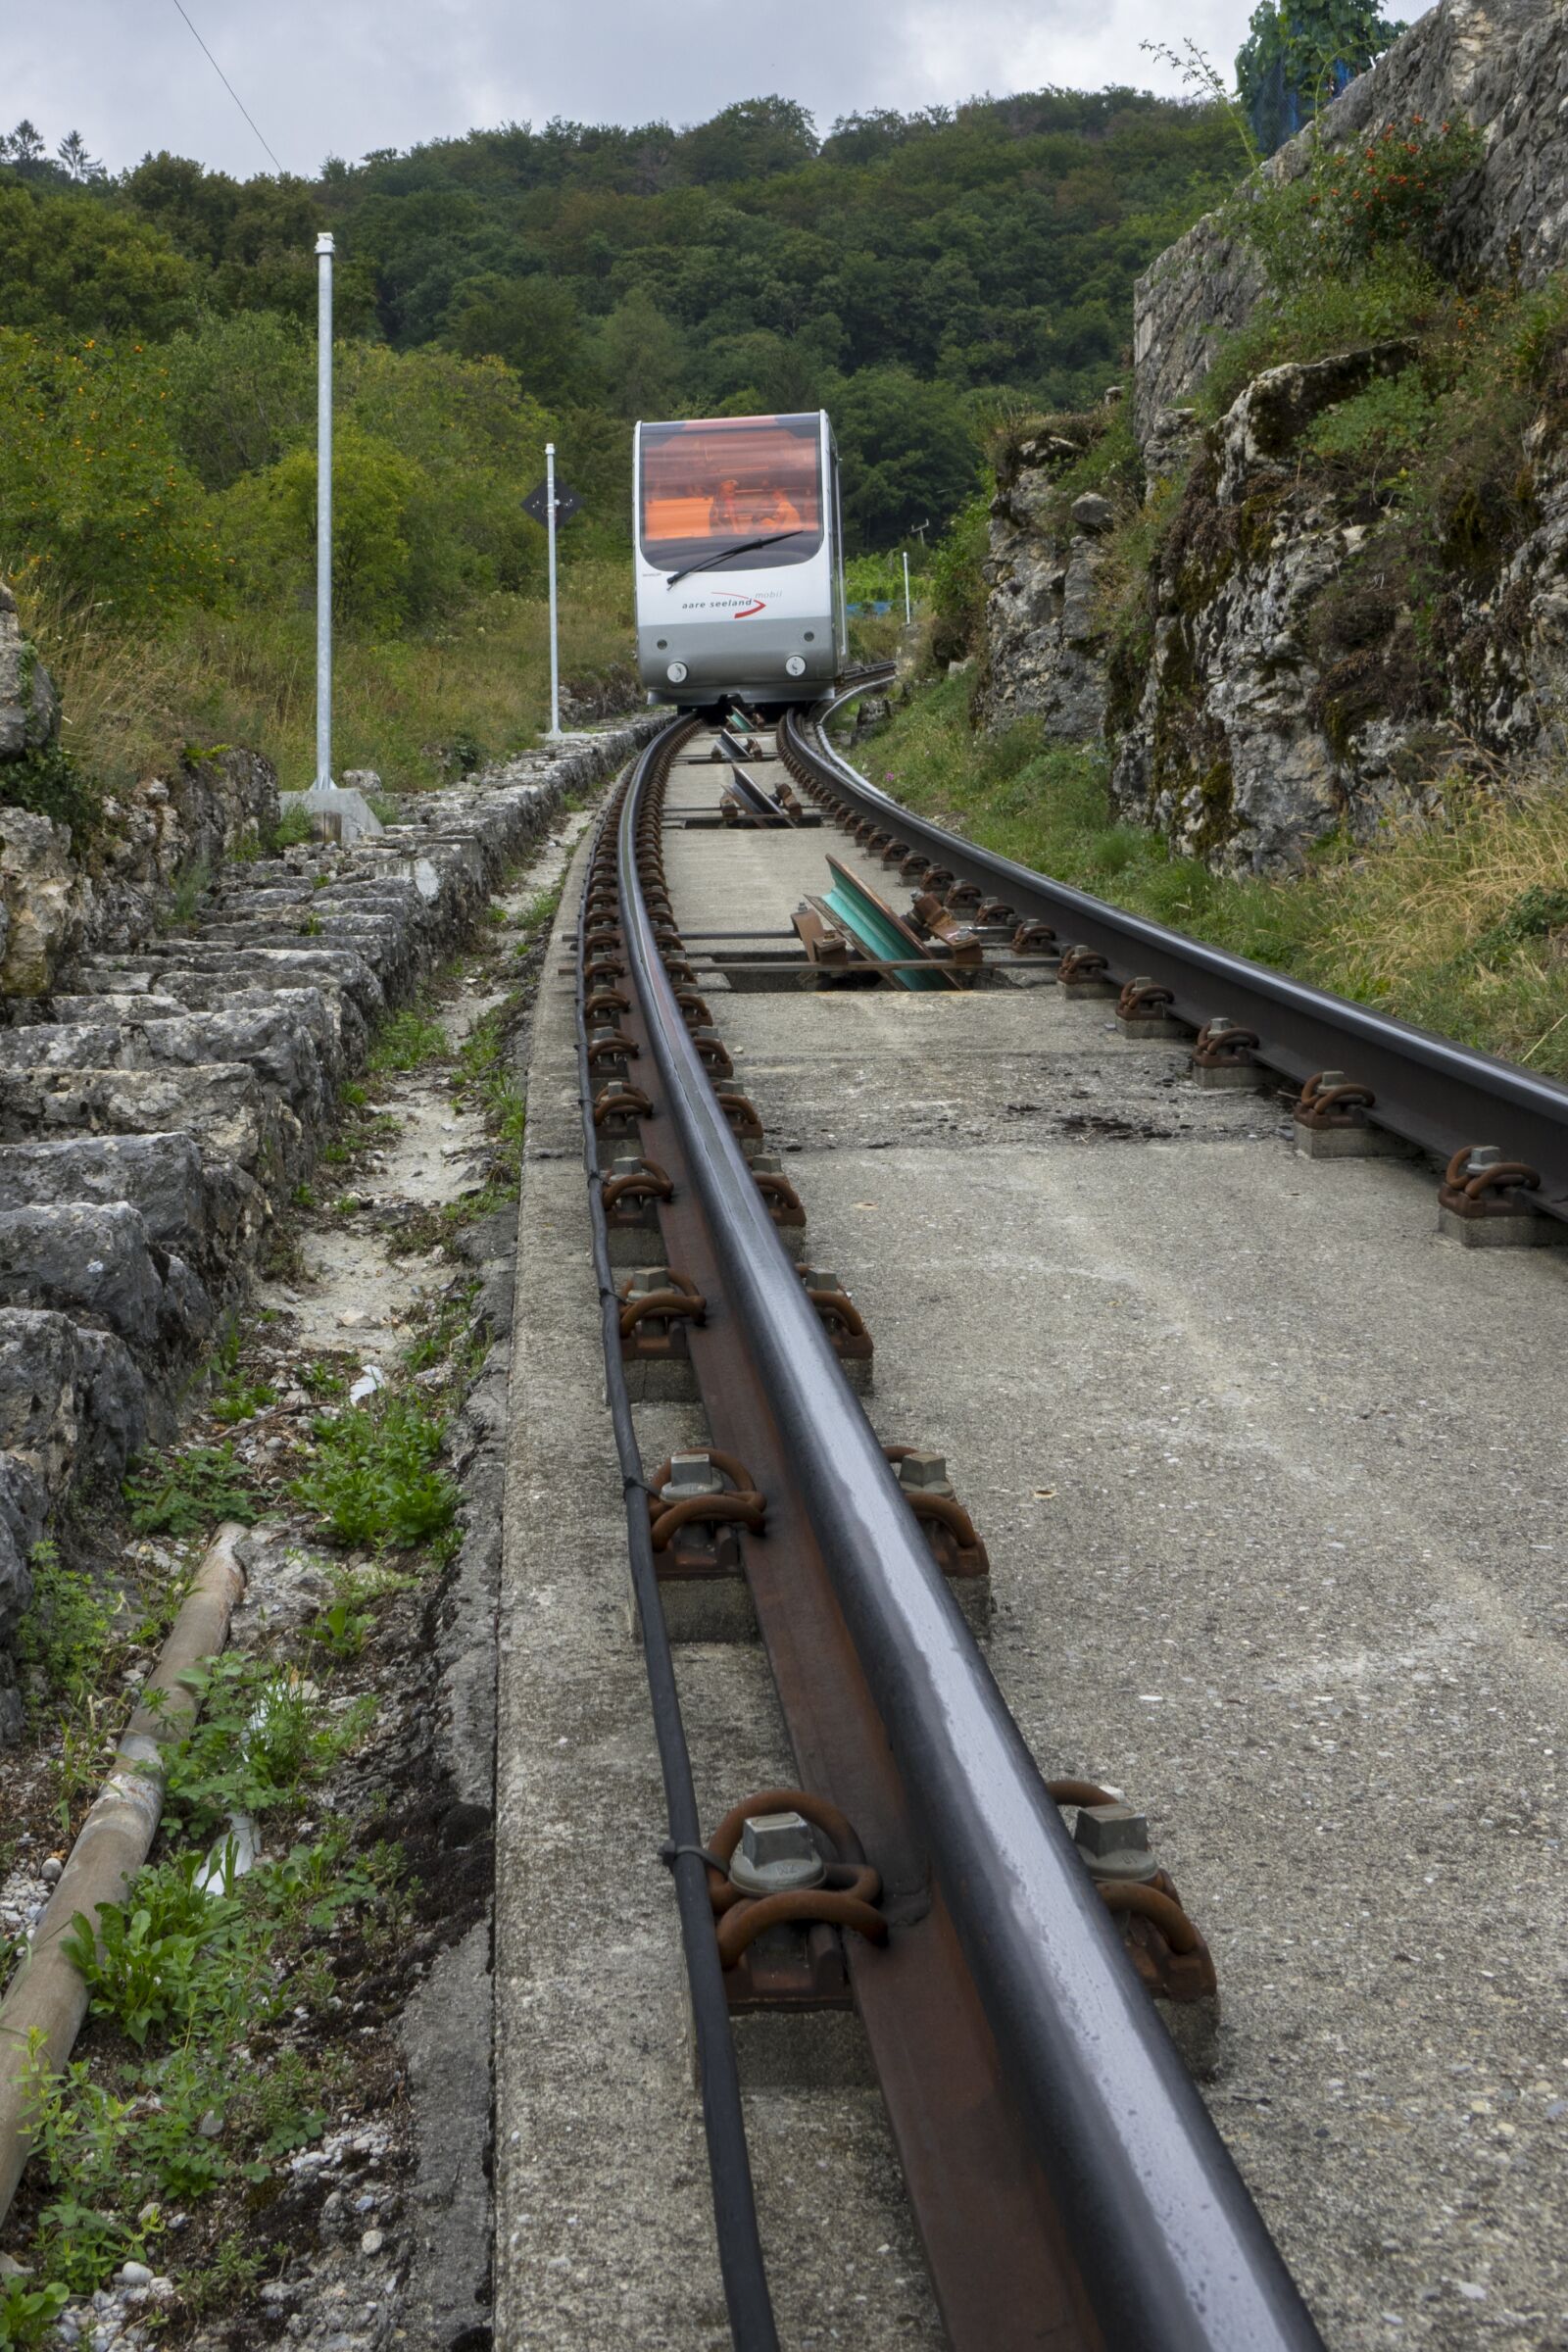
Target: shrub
92,490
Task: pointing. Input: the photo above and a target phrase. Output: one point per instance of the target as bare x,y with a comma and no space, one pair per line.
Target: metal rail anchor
844,1324
788,1878
1331,1121
630,1195
1084,972
700,1504
1143,1011
655,1305
1172,1960
949,1530
1222,1055
1484,1202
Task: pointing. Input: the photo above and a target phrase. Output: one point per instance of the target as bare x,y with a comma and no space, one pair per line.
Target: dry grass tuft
480,685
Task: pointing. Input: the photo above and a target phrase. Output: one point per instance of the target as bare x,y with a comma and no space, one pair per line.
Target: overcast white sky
341,76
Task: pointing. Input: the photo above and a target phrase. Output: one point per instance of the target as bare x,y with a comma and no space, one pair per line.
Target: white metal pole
555,657
323,512
906,611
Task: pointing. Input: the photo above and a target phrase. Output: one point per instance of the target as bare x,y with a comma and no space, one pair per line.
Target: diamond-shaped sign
537,503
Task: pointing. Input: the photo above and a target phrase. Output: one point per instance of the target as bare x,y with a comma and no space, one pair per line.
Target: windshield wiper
742,547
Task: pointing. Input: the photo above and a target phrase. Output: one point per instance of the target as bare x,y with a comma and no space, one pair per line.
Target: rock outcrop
1503,65
1046,633
30,713
1277,684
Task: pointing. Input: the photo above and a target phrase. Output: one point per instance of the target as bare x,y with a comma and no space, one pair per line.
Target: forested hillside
915,274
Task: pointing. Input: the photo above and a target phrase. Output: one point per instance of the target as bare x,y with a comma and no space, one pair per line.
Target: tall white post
908,614
323,512
555,657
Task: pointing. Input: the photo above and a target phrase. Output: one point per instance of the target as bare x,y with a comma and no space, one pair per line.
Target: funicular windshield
718,487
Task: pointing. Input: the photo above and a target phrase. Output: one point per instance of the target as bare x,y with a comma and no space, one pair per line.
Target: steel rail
740,2246
1175,2256
1433,1093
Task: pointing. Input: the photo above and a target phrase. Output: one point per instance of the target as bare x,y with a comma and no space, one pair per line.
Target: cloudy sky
341,76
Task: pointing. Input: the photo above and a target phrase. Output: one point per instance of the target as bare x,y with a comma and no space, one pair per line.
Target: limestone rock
1091,513
45,899
29,710
1500,64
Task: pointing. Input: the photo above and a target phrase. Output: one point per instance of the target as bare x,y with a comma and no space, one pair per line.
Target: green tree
641,358
93,495
1301,53
380,566
750,140
534,325
71,266
906,452
240,390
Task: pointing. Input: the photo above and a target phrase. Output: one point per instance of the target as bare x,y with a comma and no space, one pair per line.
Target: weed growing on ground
375,1479
265,1735
186,1494
408,1041
241,1398
537,916
27,2313
292,829
487,1080
69,1631
429,1230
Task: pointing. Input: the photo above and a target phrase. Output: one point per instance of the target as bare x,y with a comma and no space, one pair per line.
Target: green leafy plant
375,1478
243,1398
141,1967
341,1629
185,1493
27,2313
69,1629
292,830
263,1736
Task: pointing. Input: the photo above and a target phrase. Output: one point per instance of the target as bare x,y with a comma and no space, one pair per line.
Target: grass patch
418,709
408,1041
1458,925
487,1079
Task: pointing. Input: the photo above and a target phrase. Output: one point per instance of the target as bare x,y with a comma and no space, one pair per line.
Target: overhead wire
227,84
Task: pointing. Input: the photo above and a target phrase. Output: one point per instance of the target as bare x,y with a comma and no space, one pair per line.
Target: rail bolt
1113,1841
776,1855
923,1473
690,1475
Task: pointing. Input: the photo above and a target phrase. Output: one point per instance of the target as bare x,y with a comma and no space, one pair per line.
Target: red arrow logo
745,612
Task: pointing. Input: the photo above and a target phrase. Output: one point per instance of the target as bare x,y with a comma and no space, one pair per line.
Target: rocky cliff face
1046,648
1278,684
1503,65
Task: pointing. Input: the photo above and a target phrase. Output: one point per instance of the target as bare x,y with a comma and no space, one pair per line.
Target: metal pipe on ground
1175,2255
48,1999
